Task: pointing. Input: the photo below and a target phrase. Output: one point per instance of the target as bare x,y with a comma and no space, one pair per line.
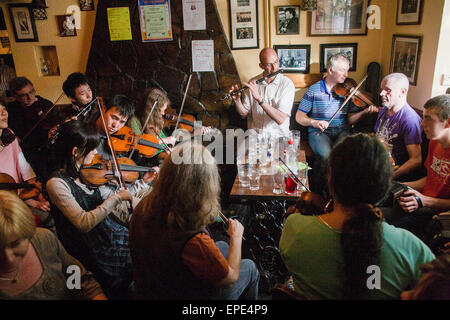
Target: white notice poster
194,17
202,55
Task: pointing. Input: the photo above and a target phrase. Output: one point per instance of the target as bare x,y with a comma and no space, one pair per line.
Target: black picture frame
328,49
288,26
327,20
23,23
294,58
405,56
409,12
244,26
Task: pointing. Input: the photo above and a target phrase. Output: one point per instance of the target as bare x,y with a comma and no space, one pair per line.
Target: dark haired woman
350,253
82,214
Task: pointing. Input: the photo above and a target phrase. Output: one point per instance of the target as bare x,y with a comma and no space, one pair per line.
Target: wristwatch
262,102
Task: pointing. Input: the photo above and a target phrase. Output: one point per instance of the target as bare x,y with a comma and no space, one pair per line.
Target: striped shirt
322,104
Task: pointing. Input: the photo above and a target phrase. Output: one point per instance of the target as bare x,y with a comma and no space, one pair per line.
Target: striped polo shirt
322,104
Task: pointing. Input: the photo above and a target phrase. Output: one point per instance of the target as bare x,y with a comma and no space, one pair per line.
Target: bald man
268,104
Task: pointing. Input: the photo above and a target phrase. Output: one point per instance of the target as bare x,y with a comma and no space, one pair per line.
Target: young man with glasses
25,112
268,104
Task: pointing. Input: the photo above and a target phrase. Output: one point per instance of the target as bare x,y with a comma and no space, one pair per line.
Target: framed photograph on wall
405,56
409,11
332,18
294,58
244,31
67,26
87,5
350,50
288,20
23,23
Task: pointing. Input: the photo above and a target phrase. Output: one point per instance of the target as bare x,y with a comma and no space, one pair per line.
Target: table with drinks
267,187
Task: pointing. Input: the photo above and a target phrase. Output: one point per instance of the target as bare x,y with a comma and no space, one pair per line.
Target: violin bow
182,104
293,176
41,119
143,128
113,153
346,100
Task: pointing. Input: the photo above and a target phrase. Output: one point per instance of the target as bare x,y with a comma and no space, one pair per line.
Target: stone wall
129,67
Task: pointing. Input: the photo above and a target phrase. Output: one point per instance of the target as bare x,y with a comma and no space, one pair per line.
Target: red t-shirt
204,259
438,172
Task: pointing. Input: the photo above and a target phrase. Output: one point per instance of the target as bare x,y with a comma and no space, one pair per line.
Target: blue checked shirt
322,104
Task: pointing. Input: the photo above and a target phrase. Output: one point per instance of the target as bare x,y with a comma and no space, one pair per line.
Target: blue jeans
321,144
246,288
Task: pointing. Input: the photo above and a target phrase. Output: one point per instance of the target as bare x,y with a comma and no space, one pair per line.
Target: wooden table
263,220
265,190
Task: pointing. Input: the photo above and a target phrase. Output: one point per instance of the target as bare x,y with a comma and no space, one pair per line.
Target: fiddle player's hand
170,140
408,201
253,87
125,195
235,229
149,176
372,109
40,205
320,124
36,183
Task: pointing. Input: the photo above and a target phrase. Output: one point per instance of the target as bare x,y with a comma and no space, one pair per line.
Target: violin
125,139
310,203
101,171
30,191
359,98
186,120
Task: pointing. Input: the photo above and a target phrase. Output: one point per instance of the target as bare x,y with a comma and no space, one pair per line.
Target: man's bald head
267,54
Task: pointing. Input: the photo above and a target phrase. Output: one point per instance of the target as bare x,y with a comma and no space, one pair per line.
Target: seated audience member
329,255
25,112
173,255
435,282
431,194
14,164
82,213
398,127
33,263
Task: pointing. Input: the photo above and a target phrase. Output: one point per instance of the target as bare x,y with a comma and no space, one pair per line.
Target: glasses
267,65
29,93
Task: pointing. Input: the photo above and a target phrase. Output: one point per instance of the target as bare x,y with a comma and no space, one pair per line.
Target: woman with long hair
84,215
173,255
350,253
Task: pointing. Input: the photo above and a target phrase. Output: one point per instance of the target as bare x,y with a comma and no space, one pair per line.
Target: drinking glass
254,176
242,169
303,176
277,179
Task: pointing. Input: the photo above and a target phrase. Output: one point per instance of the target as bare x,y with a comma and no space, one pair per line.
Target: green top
312,253
135,124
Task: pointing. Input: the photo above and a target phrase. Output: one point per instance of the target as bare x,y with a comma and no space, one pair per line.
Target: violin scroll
311,203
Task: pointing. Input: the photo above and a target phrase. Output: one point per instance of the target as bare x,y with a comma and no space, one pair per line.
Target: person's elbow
230,279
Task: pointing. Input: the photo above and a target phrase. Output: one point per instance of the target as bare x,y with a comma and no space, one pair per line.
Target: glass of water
254,176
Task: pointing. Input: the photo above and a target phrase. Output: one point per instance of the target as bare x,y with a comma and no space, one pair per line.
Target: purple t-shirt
399,130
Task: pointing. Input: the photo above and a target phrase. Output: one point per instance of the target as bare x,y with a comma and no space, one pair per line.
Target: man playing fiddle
24,113
77,89
269,103
398,127
116,114
319,105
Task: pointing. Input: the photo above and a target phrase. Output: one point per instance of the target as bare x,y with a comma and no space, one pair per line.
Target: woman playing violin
155,125
15,165
84,217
